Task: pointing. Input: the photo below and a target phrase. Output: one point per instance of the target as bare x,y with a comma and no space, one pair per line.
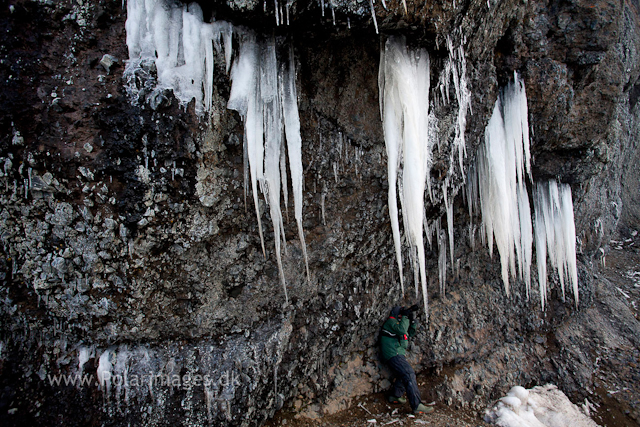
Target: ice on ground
542,406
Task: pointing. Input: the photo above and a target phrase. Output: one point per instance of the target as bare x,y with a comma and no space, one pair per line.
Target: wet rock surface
126,231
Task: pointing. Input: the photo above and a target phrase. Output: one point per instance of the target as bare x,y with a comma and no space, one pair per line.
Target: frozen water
264,93
542,406
294,143
404,106
373,15
175,37
498,178
104,371
555,235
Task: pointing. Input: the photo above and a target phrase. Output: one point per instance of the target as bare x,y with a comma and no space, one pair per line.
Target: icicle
373,15
272,142
244,99
504,201
404,106
104,372
276,13
283,176
294,145
264,94
333,13
442,259
448,204
555,235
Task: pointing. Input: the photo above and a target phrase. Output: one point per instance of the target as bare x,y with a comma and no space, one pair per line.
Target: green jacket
394,337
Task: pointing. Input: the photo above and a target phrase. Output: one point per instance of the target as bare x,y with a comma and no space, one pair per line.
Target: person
394,341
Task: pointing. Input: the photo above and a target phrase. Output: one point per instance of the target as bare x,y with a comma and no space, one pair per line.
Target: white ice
83,357
404,106
263,92
499,177
555,235
542,406
176,38
104,371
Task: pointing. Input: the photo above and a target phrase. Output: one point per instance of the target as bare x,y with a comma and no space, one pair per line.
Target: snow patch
542,406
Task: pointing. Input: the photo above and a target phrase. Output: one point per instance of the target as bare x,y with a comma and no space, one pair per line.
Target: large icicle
555,235
243,96
294,144
404,104
272,111
502,162
264,93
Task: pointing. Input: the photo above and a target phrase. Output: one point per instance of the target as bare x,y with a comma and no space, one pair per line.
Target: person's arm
398,326
413,326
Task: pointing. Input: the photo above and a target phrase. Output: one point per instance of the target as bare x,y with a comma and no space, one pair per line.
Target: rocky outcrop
126,230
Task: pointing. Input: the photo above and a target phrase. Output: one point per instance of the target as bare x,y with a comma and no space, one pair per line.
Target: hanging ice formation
555,235
455,70
263,91
410,129
265,96
403,81
496,188
181,44
499,177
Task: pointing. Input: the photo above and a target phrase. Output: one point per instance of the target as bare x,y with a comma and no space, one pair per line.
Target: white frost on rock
542,406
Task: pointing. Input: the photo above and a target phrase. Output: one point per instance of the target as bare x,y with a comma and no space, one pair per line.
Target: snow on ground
542,406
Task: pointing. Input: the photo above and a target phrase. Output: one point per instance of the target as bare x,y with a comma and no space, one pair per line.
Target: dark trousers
405,380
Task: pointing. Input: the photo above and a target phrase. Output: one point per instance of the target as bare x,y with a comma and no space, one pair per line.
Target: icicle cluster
181,44
454,71
555,235
264,93
499,177
496,187
404,107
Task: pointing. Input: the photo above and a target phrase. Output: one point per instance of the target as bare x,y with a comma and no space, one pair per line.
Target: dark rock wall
125,228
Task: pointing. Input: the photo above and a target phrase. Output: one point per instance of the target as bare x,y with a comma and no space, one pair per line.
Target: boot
423,409
396,400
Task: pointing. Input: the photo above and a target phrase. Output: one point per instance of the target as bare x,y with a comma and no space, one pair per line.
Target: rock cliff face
129,245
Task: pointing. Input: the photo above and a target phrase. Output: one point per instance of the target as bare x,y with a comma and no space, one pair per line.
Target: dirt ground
374,411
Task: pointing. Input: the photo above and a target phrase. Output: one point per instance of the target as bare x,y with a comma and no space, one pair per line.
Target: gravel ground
374,411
